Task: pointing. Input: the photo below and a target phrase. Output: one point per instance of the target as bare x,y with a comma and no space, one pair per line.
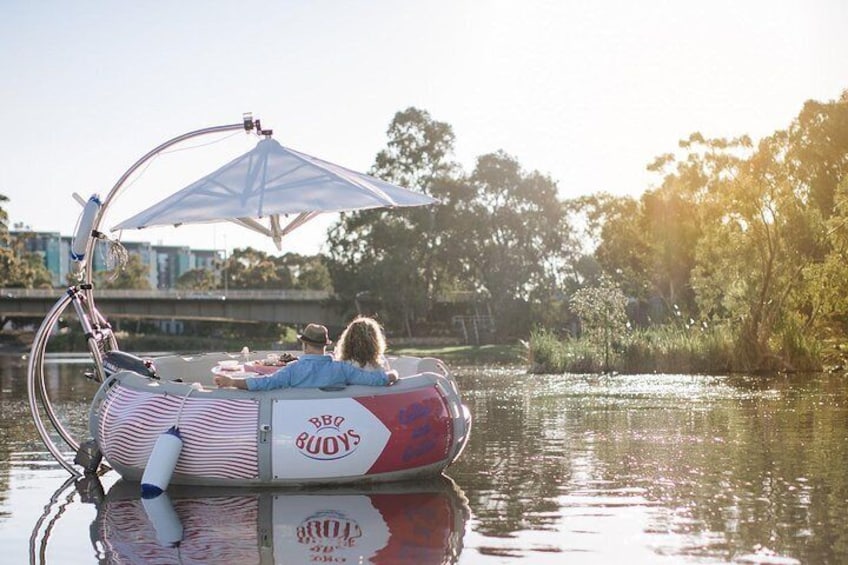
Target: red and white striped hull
287,436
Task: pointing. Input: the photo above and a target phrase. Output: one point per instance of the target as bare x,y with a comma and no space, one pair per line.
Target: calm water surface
559,469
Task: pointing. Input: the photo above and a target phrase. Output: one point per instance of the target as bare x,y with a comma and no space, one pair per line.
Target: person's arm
227,381
392,376
356,376
278,379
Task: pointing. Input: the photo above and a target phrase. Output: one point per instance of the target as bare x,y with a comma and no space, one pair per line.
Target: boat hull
420,522
286,436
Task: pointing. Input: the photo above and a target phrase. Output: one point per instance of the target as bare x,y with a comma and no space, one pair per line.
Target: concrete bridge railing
281,306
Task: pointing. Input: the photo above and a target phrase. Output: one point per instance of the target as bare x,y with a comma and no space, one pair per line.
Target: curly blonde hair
362,342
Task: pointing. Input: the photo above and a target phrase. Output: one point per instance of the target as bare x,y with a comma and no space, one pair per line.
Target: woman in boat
363,344
314,369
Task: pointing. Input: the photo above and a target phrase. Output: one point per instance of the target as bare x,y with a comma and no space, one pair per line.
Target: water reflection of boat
147,410
422,523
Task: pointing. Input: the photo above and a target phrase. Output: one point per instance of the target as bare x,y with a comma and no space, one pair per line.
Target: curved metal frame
82,298
49,518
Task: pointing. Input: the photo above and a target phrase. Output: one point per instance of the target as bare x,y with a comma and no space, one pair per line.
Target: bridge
280,306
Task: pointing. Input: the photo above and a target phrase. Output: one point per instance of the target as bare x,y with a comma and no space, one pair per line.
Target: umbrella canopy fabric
271,181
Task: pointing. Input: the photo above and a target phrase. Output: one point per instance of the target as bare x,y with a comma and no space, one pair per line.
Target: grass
662,349
670,349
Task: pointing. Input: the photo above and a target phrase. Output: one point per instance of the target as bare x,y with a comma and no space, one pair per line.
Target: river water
559,469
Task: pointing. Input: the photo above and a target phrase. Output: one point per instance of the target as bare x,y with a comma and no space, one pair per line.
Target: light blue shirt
315,371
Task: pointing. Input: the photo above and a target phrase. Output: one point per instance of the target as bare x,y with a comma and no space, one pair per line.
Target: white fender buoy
86,222
160,465
160,512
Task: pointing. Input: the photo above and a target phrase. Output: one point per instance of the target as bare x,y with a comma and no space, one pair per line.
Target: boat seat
114,361
432,365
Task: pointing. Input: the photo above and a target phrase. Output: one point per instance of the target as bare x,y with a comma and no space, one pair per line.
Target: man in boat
314,369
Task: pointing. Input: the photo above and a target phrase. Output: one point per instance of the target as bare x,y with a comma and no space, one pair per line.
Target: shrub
659,349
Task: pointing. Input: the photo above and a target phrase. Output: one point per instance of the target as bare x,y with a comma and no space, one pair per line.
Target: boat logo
327,437
327,531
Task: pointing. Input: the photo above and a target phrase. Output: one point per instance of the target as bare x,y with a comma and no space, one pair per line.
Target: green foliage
546,351
249,268
550,354
601,310
513,235
660,349
798,349
676,349
18,267
133,275
621,248
499,232
402,258
288,334
759,259
197,279
310,272
748,236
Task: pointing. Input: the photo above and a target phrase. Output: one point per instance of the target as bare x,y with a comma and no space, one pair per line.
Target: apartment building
166,262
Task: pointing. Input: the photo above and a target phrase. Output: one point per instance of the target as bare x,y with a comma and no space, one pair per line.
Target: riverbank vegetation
665,349
735,259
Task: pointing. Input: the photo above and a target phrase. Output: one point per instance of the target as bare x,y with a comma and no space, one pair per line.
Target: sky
585,92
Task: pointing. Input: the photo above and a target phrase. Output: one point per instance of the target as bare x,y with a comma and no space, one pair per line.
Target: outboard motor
114,361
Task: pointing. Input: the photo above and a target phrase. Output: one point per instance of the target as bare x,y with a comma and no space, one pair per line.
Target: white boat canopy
270,183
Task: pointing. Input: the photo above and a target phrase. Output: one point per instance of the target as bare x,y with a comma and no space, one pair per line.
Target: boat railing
95,326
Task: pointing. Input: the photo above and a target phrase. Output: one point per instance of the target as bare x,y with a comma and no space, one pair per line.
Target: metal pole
36,387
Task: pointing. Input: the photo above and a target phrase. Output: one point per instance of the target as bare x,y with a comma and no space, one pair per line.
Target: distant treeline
750,237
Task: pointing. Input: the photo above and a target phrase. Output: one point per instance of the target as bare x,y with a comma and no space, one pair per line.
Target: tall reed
660,349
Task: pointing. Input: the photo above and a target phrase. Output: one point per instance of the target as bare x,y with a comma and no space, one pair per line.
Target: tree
816,149
514,239
672,232
615,226
19,268
198,279
500,232
759,237
250,268
749,236
132,275
830,276
418,152
399,255
308,271
601,310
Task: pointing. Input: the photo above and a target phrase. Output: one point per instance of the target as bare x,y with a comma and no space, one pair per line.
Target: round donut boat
231,437
174,425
